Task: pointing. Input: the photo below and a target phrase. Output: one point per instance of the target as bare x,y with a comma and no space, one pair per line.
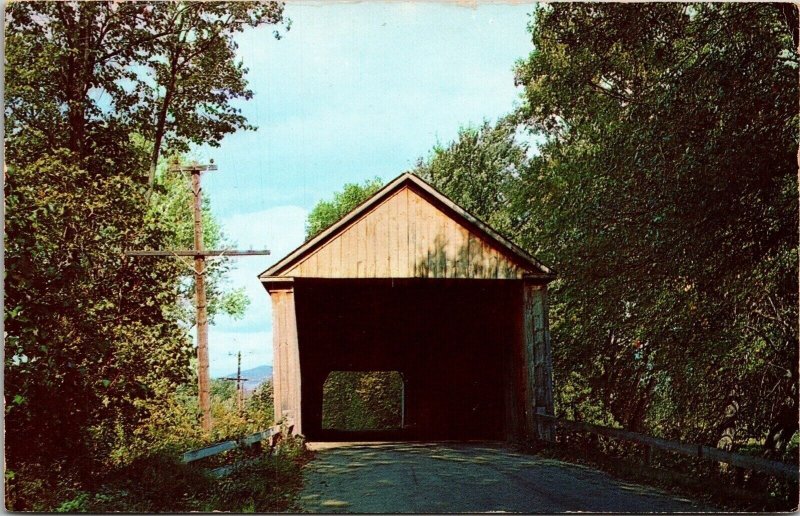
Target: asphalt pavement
465,477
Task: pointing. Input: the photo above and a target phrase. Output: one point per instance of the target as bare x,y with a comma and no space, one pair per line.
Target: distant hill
255,376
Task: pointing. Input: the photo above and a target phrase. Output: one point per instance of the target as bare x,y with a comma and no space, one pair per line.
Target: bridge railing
772,467
273,434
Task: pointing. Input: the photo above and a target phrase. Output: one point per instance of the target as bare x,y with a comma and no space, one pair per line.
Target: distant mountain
255,376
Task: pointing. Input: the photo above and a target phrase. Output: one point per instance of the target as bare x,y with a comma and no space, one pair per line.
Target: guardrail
272,433
772,467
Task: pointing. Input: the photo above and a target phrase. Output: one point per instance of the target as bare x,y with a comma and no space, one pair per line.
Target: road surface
465,477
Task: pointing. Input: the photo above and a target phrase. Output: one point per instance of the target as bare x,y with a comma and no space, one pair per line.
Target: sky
351,92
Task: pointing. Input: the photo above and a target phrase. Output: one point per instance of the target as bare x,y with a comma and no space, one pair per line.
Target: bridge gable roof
409,229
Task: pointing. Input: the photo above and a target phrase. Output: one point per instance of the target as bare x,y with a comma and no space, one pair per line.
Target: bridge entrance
409,282
449,339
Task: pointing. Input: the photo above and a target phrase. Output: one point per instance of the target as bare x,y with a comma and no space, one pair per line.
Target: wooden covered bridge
411,282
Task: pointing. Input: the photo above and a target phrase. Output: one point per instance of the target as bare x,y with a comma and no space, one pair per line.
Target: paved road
465,477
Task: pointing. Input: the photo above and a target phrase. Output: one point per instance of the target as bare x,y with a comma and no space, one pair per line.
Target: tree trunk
161,123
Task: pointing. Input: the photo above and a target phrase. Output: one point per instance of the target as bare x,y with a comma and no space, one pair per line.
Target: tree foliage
96,343
87,336
354,400
666,192
165,70
479,168
327,213
663,189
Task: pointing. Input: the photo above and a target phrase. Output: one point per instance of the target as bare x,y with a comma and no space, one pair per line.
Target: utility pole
239,383
203,379
200,254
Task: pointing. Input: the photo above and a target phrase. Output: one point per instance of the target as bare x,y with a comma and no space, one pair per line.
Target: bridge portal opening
411,282
358,401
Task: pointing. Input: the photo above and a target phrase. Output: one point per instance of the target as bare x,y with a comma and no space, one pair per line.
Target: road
465,477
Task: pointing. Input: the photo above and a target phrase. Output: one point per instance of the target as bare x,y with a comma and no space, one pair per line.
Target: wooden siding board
407,236
462,253
402,234
421,242
277,335
394,237
361,232
413,244
349,256
382,241
370,223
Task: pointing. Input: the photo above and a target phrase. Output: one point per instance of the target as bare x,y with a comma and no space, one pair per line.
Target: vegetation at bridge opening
354,400
98,371
652,163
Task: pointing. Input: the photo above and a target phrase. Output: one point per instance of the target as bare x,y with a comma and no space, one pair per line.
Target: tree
665,193
165,70
479,169
327,213
87,338
95,346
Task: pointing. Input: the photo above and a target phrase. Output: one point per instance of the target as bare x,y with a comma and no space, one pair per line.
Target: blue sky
353,91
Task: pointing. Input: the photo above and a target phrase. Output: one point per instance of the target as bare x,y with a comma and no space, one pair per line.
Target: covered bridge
411,282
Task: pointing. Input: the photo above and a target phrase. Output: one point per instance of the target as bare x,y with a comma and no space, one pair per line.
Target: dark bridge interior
454,342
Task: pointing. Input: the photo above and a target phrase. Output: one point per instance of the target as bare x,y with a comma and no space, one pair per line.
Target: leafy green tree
665,192
165,70
87,338
327,213
260,409
95,348
479,169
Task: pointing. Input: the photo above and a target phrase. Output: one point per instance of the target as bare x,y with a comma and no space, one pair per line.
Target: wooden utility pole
239,383
203,378
199,255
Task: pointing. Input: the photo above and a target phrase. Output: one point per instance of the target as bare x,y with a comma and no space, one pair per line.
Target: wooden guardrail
772,467
271,433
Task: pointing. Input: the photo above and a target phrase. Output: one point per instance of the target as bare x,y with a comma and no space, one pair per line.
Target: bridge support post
538,361
286,355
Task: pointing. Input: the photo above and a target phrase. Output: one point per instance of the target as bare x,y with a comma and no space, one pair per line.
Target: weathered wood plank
401,202
411,209
293,361
422,241
349,258
462,252
370,260
393,237
361,231
277,372
380,243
